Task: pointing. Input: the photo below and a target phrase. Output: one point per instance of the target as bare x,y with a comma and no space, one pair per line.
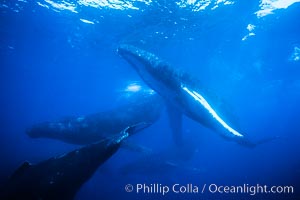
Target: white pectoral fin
175,121
198,97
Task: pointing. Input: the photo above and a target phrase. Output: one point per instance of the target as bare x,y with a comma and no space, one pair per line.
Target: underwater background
59,58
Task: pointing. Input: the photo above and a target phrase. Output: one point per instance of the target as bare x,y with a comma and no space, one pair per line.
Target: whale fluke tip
251,144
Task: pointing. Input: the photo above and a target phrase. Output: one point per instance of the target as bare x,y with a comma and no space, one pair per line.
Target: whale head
140,59
153,70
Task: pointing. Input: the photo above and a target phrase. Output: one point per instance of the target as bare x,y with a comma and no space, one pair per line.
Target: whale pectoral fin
175,121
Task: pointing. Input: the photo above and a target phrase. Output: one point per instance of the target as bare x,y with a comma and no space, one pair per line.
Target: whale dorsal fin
175,121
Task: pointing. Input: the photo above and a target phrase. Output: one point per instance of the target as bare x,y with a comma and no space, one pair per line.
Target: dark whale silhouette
61,177
143,107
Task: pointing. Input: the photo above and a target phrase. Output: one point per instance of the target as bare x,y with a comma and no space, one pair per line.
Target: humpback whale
183,94
61,177
141,107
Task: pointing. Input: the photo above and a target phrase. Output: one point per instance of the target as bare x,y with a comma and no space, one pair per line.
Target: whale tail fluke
266,140
251,144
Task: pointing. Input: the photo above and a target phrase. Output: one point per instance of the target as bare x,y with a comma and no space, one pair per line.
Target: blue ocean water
59,58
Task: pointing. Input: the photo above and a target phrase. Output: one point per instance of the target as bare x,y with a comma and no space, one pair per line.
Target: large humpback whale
140,107
61,177
183,95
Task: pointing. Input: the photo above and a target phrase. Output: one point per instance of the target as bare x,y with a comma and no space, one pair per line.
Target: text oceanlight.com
156,188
